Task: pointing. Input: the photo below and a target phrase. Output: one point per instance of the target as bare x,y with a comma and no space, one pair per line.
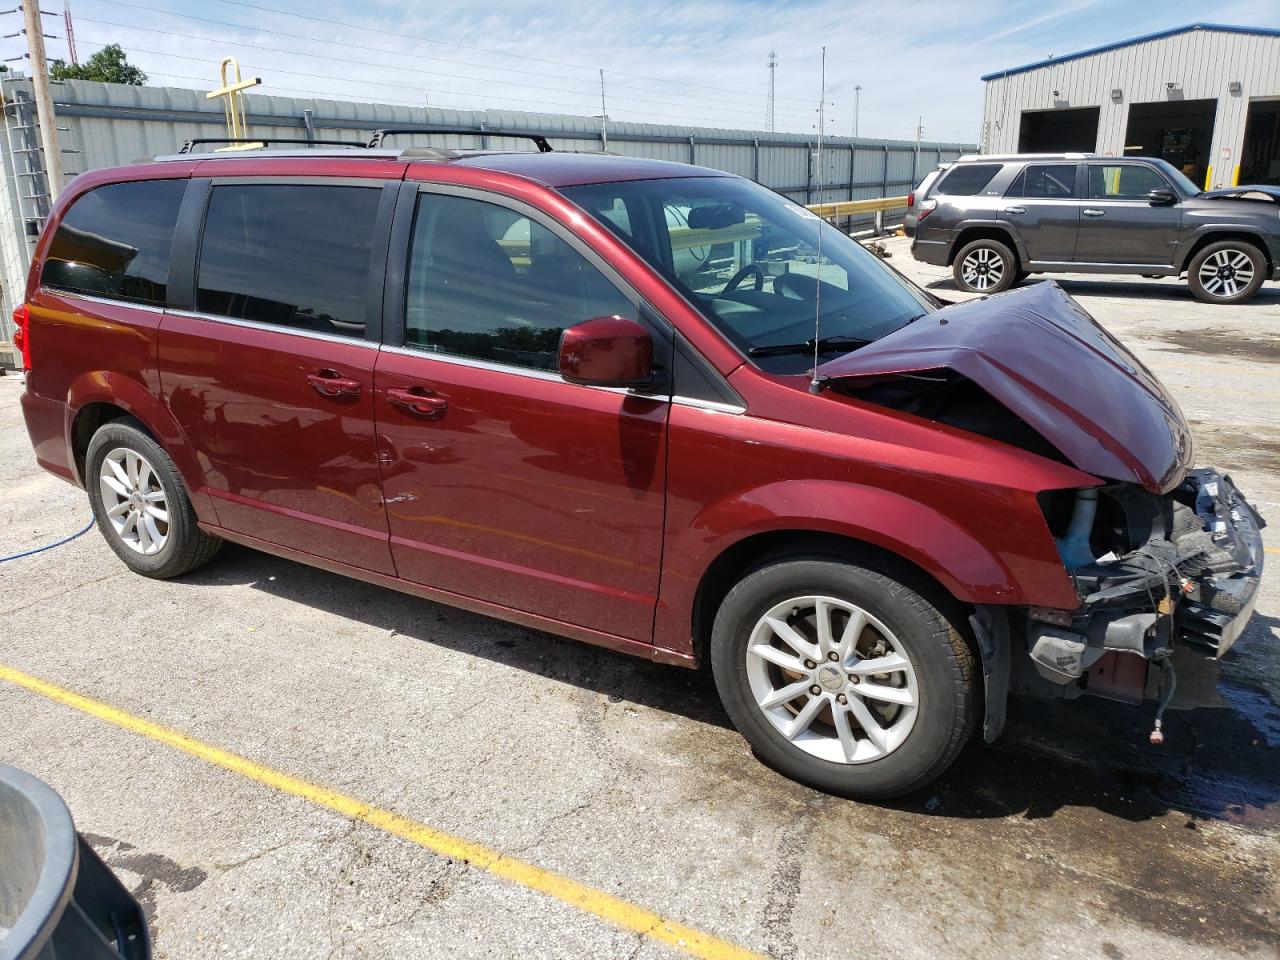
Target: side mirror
607,352
1162,198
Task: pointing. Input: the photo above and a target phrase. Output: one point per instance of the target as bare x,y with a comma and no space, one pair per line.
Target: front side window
967,180
489,283
1123,181
290,255
748,260
1045,181
114,242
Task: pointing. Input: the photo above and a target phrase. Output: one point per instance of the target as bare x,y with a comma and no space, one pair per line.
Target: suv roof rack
1025,156
380,135
255,141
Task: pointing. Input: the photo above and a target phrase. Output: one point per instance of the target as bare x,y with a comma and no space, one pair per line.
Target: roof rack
256,141
380,135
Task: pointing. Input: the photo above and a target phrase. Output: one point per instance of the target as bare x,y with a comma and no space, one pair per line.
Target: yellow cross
232,96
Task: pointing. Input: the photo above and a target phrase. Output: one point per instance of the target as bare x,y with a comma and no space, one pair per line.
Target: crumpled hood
1038,352
1234,193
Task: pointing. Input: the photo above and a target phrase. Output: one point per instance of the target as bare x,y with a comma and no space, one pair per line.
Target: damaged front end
1151,571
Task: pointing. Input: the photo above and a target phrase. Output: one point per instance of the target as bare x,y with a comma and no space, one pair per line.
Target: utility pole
71,33
768,110
604,116
44,102
857,107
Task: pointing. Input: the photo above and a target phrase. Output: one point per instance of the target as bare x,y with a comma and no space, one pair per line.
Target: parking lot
405,779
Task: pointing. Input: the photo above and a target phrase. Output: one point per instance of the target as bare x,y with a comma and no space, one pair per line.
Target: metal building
104,124
1205,97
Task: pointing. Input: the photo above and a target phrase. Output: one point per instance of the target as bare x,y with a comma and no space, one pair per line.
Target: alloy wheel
1226,273
982,268
832,679
135,503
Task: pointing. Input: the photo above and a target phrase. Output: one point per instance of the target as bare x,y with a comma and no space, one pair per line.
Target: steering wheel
741,275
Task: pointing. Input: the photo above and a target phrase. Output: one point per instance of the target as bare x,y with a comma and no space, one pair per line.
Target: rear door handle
330,383
1015,209
418,401
1091,212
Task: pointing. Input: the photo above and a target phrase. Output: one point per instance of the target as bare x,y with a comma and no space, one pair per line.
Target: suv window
114,242
967,180
1123,181
292,255
1045,181
489,283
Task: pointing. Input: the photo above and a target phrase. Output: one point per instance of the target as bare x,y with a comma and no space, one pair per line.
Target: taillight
911,199
21,334
926,207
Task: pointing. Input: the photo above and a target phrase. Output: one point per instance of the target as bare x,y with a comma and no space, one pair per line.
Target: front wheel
984,266
843,677
1229,271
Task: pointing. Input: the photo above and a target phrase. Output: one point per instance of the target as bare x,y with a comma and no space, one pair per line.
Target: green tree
108,65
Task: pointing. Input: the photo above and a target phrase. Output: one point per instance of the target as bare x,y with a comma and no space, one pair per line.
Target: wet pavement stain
1223,343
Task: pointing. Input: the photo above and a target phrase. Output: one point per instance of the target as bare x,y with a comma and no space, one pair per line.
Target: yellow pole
232,94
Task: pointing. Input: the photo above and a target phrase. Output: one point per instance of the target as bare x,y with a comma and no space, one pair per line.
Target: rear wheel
984,266
843,677
141,504
1229,271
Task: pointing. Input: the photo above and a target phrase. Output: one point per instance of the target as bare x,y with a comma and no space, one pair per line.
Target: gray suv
996,219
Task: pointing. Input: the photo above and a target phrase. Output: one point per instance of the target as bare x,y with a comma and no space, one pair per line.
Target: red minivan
646,405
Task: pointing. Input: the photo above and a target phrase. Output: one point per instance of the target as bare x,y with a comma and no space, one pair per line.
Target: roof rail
380,135
248,143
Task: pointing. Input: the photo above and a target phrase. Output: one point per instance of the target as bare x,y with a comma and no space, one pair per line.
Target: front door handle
1093,212
1015,209
330,383
418,401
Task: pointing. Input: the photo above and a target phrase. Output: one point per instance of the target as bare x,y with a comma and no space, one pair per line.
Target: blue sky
697,61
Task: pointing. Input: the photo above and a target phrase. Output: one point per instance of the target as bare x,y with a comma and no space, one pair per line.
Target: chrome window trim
357,341
106,301
713,405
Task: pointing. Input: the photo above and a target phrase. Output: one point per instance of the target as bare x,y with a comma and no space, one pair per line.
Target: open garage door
1058,131
1260,159
1180,131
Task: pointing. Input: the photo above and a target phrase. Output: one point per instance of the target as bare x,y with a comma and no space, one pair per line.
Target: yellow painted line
606,906
1272,549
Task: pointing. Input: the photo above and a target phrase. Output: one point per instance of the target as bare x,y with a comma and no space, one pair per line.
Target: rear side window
114,242
489,283
1123,181
1045,181
291,255
967,180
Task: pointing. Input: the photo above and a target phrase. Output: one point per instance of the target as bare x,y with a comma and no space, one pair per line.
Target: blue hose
50,546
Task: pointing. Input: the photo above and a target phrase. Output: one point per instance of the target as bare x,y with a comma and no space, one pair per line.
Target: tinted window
296,256
1123,181
967,180
487,282
1046,181
114,242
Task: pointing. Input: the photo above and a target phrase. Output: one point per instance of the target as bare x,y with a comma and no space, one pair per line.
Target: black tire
1021,275
185,545
946,672
989,265
1223,262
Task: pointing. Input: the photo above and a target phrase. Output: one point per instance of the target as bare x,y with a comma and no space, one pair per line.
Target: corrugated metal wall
1202,64
110,124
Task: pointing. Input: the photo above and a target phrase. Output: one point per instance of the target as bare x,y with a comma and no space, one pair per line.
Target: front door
271,376
1119,224
1042,207
502,482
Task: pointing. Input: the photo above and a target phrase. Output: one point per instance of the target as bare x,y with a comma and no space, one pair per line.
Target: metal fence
102,124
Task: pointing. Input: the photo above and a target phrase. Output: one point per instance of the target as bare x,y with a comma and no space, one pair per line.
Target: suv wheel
1229,271
844,678
984,266
141,504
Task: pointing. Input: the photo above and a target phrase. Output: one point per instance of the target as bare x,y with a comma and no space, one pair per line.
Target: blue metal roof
1160,35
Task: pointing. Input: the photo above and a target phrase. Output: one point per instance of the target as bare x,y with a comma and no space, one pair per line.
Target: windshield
747,258
1180,179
